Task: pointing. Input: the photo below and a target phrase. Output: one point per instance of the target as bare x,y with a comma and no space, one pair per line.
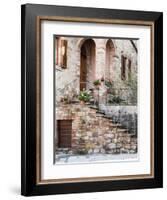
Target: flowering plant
84,96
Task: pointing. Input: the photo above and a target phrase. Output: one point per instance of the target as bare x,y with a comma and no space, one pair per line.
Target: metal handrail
61,89
116,90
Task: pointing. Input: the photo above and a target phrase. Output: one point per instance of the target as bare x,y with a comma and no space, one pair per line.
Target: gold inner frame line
38,99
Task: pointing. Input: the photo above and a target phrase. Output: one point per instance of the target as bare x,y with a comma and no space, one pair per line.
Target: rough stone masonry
113,60
93,133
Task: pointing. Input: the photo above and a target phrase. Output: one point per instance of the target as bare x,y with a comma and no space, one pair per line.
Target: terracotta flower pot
82,102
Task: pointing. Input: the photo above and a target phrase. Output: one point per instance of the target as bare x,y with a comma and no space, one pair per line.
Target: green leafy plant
84,96
81,152
110,87
115,99
109,84
132,87
65,99
70,97
97,82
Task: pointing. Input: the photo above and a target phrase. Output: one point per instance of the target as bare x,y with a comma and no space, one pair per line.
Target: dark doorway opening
87,64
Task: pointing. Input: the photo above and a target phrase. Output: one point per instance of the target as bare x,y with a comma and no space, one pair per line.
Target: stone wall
67,80
125,115
93,133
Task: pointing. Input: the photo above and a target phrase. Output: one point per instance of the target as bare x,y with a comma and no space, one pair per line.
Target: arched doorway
87,64
110,52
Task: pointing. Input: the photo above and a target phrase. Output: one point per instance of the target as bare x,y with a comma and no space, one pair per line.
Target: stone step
100,112
94,107
107,117
99,115
115,125
122,130
132,134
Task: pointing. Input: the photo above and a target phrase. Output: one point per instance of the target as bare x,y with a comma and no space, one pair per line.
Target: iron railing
111,96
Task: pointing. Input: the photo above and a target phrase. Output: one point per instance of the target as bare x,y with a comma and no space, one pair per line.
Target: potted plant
97,83
110,87
84,96
115,99
102,79
65,100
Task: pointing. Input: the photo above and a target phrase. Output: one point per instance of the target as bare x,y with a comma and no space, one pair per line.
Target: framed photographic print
91,99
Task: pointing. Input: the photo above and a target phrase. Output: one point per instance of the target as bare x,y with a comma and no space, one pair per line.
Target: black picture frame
29,140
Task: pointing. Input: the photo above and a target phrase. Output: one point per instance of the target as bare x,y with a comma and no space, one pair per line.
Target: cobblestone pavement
94,158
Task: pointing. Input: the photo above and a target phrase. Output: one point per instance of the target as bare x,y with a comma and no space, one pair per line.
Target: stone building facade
89,59
78,63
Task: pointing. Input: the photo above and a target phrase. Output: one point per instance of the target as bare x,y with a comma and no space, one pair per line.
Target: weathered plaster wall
68,80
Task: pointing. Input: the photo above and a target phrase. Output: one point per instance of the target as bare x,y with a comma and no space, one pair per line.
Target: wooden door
83,69
64,128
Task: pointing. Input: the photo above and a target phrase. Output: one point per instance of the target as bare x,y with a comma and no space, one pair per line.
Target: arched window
110,52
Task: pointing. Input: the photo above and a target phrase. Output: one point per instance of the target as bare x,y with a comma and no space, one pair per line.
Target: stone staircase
126,120
95,132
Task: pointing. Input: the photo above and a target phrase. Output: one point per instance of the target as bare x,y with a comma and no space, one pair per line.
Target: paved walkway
94,158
